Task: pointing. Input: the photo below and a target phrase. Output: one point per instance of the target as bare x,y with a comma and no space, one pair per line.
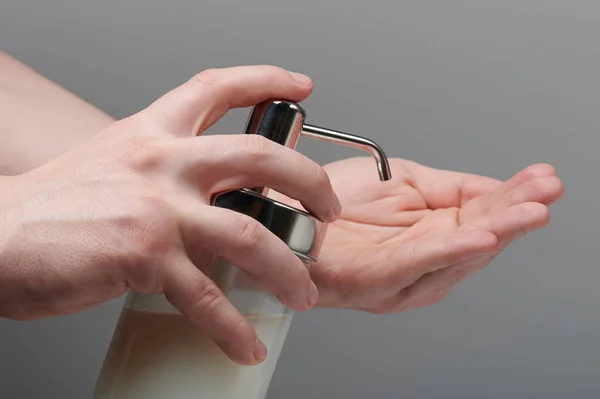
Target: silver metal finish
282,121
302,232
350,140
277,120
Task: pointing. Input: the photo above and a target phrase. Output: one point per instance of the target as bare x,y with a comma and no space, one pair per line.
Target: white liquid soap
164,356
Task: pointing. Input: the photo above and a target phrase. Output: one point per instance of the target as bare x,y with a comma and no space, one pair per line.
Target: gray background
482,86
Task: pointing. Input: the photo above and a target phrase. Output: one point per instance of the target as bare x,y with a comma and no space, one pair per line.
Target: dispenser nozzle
282,121
350,140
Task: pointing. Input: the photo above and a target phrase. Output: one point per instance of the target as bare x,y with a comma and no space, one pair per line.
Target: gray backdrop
486,86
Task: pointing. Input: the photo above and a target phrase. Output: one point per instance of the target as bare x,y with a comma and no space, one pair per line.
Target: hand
130,208
406,242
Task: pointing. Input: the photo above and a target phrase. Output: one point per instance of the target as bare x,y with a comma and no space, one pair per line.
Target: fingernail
303,79
260,351
313,295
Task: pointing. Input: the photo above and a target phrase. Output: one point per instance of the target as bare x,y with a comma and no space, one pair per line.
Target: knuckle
208,77
209,298
254,149
249,235
143,154
152,227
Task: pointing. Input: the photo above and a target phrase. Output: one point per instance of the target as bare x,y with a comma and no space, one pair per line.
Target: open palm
406,242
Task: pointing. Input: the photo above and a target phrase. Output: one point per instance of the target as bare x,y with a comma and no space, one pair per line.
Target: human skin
130,208
398,244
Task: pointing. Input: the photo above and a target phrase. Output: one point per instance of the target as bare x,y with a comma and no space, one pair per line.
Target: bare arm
39,120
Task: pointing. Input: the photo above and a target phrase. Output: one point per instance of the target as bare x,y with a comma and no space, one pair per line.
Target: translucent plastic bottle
156,353
159,354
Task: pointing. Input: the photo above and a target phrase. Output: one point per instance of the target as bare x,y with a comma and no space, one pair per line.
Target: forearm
39,120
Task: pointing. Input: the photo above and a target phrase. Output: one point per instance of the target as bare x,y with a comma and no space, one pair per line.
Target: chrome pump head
282,121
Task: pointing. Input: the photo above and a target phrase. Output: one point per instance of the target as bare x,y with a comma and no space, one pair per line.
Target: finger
429,254
220,163
431,287
544,190
480,205
529,173
512,223
204,99
205,305
447,189
507,225
248,245
426,286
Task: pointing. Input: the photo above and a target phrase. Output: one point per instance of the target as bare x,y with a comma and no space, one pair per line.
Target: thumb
200,102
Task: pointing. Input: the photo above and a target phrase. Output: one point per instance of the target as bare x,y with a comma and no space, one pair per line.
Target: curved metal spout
282,121
353,141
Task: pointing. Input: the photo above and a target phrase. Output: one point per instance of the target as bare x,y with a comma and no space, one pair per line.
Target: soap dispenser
156,353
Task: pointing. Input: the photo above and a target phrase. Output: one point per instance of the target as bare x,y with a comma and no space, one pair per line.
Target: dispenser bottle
156,353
